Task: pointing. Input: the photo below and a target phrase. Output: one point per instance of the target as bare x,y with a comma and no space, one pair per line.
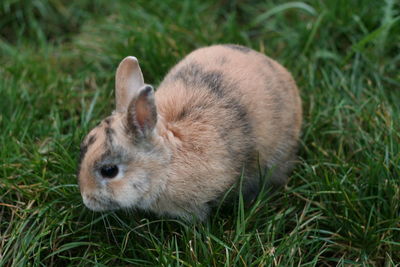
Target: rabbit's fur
222,112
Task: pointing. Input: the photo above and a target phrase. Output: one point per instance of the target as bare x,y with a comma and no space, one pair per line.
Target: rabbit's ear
128,81
142,112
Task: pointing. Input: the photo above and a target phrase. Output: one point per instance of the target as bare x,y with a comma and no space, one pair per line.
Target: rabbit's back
230,109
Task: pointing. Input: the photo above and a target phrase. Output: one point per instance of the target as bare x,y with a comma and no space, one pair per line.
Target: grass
342,204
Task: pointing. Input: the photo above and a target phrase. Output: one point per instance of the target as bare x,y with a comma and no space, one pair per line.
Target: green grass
342,204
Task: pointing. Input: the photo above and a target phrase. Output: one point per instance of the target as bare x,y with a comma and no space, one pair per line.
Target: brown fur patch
85,146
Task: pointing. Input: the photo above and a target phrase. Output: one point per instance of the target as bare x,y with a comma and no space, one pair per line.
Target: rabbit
222,113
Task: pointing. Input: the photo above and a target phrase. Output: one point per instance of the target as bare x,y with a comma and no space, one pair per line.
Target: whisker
105,226
112,233
91,226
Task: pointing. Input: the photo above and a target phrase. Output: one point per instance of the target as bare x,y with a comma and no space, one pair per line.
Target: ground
342,203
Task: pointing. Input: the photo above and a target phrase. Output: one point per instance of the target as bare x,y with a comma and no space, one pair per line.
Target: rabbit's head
123,158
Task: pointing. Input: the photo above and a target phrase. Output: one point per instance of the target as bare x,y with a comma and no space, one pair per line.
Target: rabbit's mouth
99,203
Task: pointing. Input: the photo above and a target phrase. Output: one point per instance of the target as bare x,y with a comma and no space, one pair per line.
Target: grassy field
342,204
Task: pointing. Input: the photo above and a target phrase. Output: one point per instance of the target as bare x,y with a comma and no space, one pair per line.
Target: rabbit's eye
109,171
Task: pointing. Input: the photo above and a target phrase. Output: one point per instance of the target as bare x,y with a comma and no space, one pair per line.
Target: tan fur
244,110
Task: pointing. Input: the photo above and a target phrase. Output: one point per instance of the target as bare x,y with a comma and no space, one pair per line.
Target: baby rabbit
222,112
